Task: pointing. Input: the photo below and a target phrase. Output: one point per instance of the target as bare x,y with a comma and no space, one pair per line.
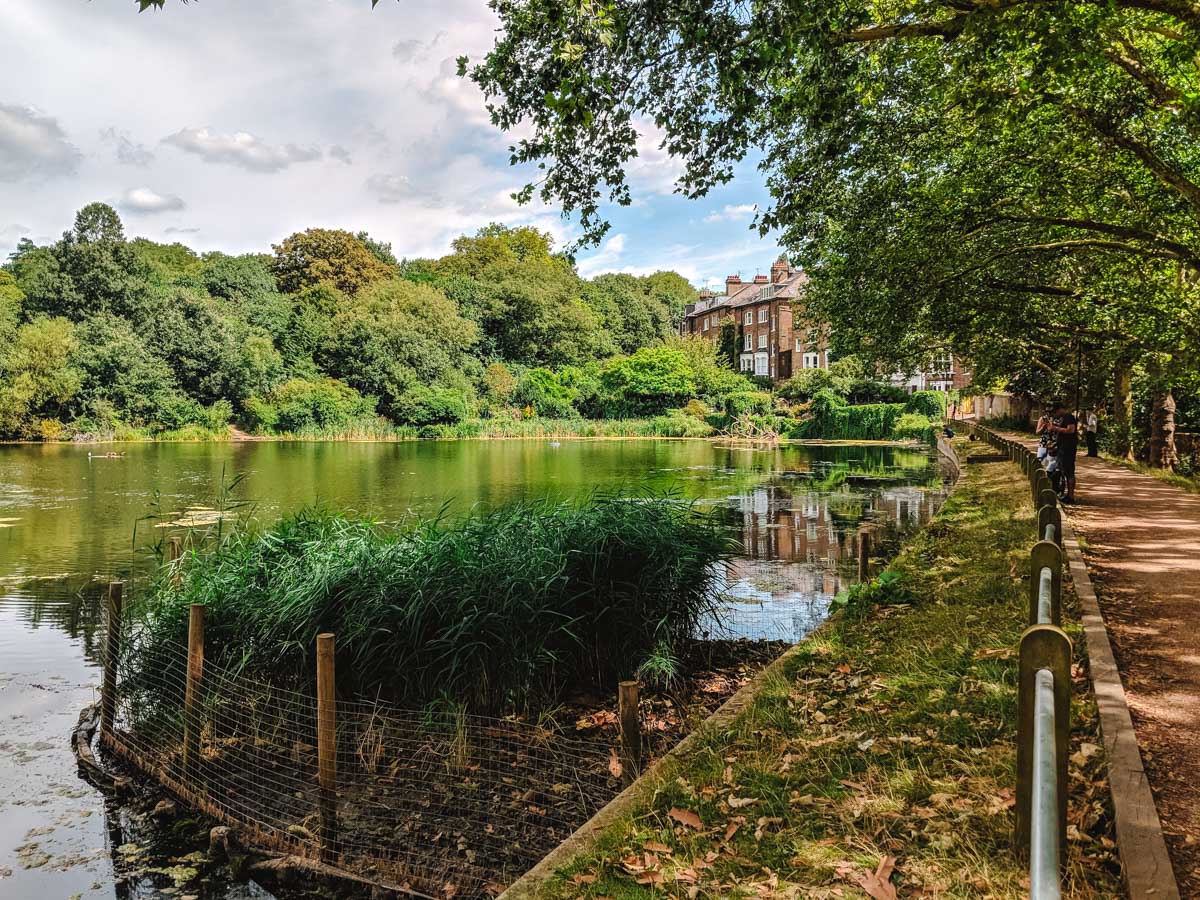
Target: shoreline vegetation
498,612
884,748
103,338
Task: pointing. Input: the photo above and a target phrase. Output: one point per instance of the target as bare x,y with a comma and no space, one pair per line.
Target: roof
748,293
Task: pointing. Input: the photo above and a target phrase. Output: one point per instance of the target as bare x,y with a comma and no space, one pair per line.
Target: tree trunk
1162,431
1122,417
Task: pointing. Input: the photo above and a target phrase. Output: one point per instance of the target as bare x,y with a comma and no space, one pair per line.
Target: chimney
732,283
779,271
760,279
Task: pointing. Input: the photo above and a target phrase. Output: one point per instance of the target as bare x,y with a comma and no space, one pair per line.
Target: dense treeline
105,336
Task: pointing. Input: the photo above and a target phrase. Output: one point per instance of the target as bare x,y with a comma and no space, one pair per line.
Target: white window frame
762,365
749,317
706,323
812,360
762,341
748,343
747,362
799,345
762,314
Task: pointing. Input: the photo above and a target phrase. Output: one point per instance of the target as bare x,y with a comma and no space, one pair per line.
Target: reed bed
502,610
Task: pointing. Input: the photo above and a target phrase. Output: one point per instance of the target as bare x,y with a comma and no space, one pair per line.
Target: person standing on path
1090,423
1065,428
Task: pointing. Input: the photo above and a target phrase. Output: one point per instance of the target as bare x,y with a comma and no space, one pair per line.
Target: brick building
776,340
773,338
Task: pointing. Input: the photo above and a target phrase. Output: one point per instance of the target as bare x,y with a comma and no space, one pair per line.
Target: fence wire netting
441,804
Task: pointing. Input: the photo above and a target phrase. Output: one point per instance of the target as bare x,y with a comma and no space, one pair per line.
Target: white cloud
341,154
605,258
732,213
144,200
174,230
240,149
128,151
33,144
653,170
397,188
407,50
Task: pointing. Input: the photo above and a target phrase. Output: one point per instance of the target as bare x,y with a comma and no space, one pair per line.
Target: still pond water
70,522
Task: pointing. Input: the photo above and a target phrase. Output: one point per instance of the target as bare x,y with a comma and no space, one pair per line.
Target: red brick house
773,338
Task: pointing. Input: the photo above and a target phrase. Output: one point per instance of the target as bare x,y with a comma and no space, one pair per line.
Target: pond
71,520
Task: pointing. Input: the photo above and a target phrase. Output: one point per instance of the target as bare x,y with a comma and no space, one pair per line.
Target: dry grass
890,735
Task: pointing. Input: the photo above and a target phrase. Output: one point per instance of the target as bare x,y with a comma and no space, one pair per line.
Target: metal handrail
1045,604
1043,837
1051,534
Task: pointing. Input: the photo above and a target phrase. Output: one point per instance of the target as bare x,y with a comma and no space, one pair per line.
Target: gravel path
1141,539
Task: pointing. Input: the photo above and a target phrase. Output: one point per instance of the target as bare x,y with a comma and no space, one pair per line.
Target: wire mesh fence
438,804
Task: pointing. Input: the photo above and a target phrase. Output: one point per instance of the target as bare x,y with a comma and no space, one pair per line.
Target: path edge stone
1145,863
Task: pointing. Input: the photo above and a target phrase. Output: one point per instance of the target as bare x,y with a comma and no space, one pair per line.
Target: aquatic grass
504,609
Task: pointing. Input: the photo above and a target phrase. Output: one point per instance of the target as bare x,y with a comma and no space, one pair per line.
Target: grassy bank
500,610
886,739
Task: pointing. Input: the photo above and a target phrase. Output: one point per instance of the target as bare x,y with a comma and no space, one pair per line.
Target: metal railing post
1043,841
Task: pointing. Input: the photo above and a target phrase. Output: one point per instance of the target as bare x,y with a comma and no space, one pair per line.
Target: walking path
1141,539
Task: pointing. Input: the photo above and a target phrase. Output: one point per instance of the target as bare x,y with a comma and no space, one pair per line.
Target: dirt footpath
1141,540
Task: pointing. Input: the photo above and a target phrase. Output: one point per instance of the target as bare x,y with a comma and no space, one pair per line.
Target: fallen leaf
686,817
878,884
580,878
740,802
614,764
656,846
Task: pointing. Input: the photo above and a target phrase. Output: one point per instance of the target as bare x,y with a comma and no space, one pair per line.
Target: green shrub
829,418
649,382
504,609
748,403
301,405
913,426
542,390
430,405
697,409
928,403
889,589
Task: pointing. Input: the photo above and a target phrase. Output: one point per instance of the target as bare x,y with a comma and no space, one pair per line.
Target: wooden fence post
112,656
1046,497
191,692
629,716
327,744
174,551
1042,647
1045,555
864,555
1050,515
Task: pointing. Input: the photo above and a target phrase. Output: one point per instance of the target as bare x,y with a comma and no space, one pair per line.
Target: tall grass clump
502,610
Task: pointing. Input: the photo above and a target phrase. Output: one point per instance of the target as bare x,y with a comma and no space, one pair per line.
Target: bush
505,609
300,405
928,403
913,426
829,418
541,390
748,403
430,405
697,409
649,382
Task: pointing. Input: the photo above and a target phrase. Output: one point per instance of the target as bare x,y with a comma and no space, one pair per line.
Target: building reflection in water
799,548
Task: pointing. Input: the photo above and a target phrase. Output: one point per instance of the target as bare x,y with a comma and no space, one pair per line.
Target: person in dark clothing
1065,428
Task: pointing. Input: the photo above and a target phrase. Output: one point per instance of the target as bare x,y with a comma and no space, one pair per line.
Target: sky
230,124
